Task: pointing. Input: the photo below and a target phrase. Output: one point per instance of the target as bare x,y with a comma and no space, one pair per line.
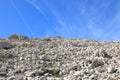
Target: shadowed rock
105,55
17,37
97,63
3,71
5,45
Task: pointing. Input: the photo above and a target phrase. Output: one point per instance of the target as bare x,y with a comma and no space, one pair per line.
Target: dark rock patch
18,37
5,45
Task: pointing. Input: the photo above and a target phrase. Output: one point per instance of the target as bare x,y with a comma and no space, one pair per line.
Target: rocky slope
56,58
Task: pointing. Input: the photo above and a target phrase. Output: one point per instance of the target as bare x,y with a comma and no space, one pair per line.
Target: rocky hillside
56,58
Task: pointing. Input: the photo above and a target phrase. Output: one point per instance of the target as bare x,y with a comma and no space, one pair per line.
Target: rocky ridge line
55,58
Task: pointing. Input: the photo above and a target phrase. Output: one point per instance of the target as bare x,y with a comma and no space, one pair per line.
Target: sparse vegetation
53,72
2,60
60,59
4,57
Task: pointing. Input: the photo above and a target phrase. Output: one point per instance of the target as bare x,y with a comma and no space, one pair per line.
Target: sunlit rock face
56,58
17,37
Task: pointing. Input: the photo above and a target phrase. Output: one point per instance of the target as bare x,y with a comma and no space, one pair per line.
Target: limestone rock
56,58
5,45
3,71
111,69
97,63
17,37
105,55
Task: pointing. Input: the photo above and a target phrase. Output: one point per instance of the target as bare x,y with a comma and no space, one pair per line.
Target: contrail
20,14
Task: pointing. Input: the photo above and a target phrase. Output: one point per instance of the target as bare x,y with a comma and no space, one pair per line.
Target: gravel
55,58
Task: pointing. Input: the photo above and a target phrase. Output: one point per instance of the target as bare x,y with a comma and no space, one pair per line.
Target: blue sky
92,19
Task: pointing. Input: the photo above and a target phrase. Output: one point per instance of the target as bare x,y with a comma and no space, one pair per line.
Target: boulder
111,69
105,55
17,37
3,71
97,63
5,45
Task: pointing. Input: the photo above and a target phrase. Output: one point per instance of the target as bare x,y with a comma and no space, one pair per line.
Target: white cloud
96,32
110,33
107,29
92,15
36,6
60,27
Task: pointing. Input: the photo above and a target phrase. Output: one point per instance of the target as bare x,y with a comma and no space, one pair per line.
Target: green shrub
54,72
4,57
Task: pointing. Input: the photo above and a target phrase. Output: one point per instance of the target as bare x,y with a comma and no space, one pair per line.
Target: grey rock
105,55
18,37
3,71
5,45
97,63
111,69
93,77
59,59
11,78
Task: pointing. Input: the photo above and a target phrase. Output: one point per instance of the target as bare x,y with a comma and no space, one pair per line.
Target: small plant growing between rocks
51,71
54,72
3,57
2,60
